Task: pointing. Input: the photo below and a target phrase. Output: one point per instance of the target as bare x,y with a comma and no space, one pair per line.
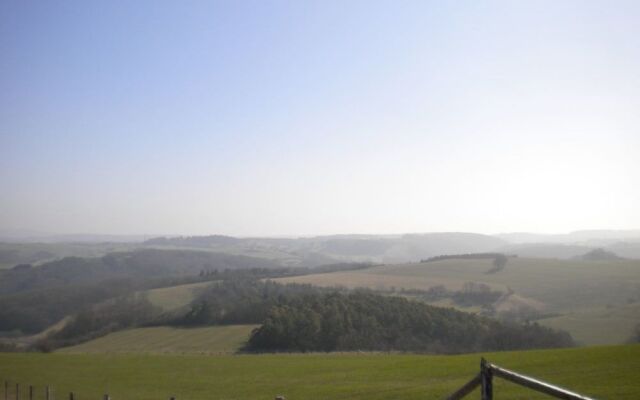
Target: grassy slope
37,253
175,297
273,254
208,340
601,372
566,287
600,325
562,285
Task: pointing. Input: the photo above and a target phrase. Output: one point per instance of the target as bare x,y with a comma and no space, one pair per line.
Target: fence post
6,390
47,393
71,396
106,397
17,391
487,380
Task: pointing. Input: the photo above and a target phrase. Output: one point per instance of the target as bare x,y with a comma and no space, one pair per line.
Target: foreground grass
206,340
600,372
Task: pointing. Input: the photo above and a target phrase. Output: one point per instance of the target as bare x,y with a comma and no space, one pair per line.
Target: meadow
12,254
599,325
599,372
168,340
175,297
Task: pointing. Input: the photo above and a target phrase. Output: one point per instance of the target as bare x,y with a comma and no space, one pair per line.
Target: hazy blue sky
311,117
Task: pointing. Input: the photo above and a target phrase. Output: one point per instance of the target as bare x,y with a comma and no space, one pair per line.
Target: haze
288,118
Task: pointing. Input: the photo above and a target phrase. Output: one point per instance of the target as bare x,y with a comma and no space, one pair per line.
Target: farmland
599,325
556,287
206,340
601,372
175,297
562,285
12,254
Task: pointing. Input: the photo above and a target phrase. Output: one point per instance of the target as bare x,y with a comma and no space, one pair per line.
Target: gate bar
536,384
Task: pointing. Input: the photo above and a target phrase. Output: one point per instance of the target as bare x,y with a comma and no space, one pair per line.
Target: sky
310,117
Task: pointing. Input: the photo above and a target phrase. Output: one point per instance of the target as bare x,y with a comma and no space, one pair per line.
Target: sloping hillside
175,297
34,297
167,340
137,264
315,251
558,287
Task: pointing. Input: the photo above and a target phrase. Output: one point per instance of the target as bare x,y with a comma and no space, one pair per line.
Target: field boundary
483,380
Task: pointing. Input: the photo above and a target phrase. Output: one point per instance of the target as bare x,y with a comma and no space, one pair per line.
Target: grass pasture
174,297
584,290
561,284
168,340
600,325
600,372
273,254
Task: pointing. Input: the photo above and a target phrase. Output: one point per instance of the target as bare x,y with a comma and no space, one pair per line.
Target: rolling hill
166,340
552,287
175,297
319,250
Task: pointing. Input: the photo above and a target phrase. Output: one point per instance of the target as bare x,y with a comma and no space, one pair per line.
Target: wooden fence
17,392
485,380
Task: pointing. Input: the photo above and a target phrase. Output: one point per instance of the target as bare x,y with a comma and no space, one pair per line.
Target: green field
174,297
208,340
600,325
600,372
579,289
273,254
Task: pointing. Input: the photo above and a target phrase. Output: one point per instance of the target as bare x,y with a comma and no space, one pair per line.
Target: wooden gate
485,380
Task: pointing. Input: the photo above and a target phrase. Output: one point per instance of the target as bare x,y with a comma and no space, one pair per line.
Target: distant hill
193,241
592,237
546,250
433,244
569,251
321,250
12,254
137,264
625,243
599,255
34,297
626,249
314,251
27,236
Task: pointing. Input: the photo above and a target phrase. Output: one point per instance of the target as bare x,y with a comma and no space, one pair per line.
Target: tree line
304,318
499,259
